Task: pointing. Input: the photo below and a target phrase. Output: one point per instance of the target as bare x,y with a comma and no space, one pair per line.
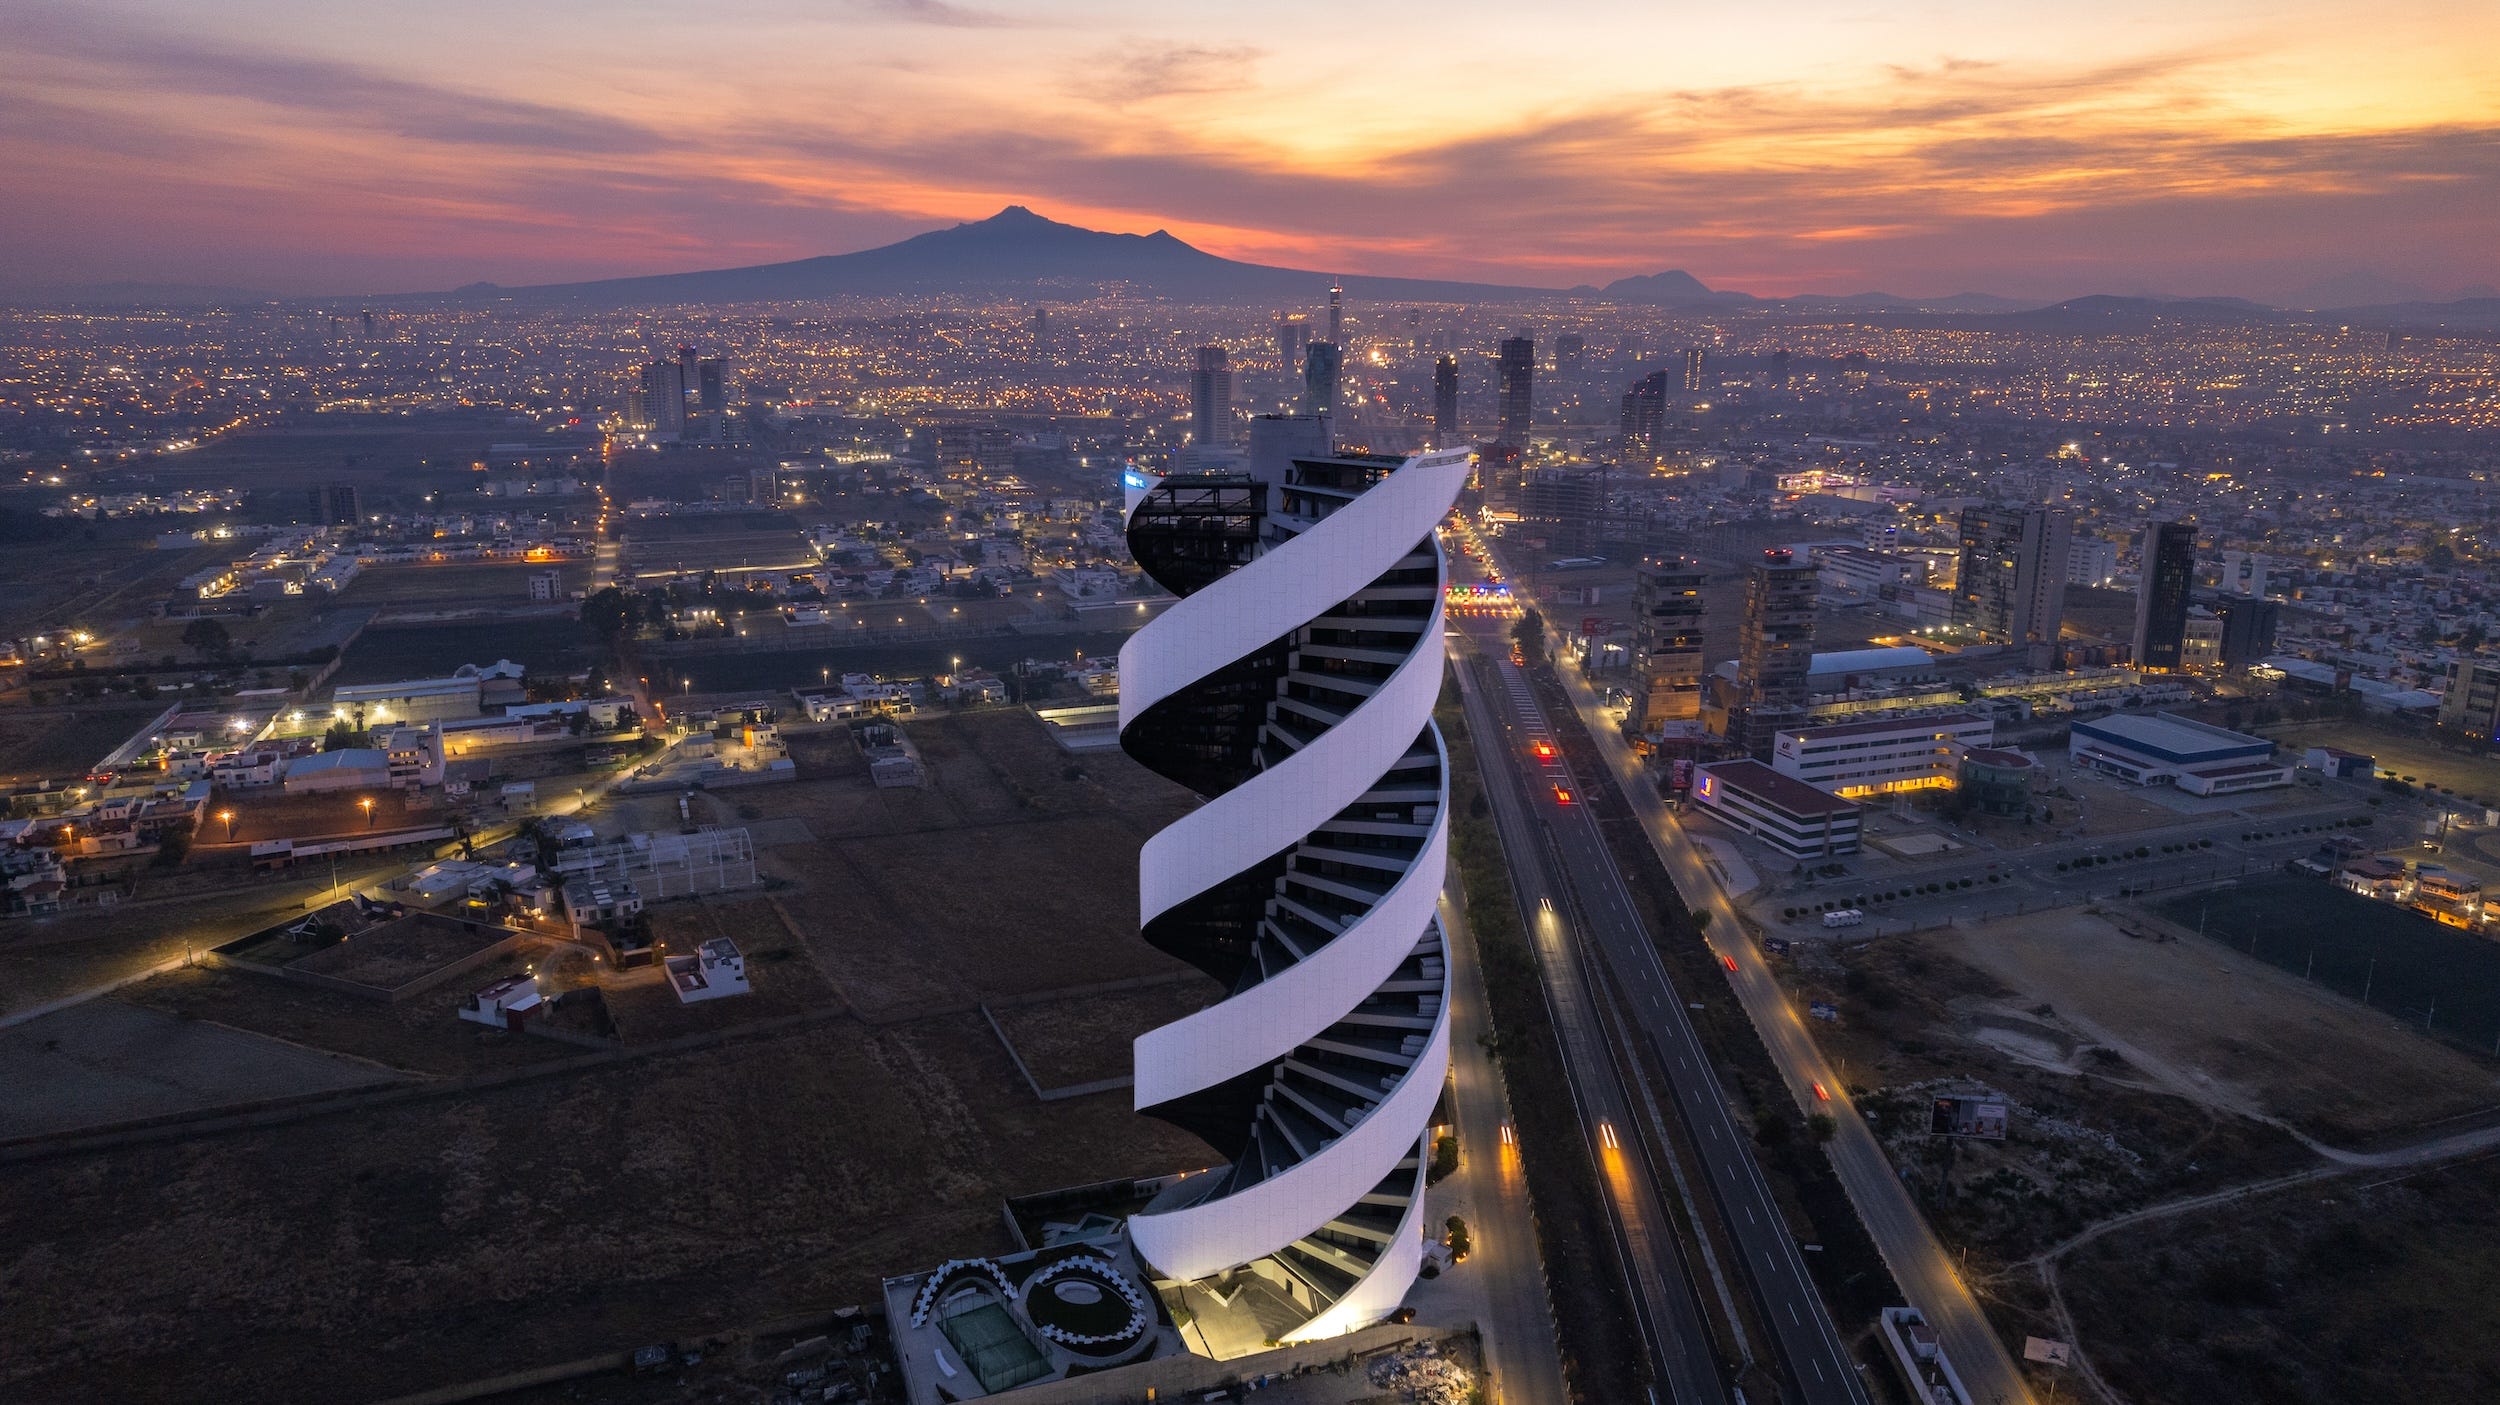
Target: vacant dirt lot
463,1236
1013,871
2222,1029
106,1061
1085,1038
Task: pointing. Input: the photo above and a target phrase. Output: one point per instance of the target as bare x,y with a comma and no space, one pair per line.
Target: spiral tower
1292,686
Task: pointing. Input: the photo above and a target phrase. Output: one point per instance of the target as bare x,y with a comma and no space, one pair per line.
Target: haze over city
2325,154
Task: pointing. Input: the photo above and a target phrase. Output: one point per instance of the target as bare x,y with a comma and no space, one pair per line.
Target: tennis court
994,1347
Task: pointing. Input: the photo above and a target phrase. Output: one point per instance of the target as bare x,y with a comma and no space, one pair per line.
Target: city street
1501,1286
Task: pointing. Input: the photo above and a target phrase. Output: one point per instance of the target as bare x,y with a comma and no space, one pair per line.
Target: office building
1306,885
1210,399
1336,315
1645,409
1774,649
1320,366
663,398
1293,332
1571,354
1517,377
2161,596
1854,760
1693,358
2012,584
2248,626
712,385
1445,402
336,505
1670,610
1796,820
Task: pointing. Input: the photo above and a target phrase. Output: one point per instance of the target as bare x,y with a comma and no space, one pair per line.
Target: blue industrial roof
2173,738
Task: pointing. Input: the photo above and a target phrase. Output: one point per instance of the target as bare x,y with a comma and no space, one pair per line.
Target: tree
606,614
207,638
1529,635
340,737
1822,1127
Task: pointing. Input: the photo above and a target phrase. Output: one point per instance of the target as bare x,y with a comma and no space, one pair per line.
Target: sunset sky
2212,147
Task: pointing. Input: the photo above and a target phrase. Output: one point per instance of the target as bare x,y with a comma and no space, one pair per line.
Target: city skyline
2344,157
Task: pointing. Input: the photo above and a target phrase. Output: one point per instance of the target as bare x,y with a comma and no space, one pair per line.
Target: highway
1925,1273
1679,1340
1509,723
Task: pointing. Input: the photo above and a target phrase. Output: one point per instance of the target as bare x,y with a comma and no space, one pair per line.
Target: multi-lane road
1577,904
1926,1275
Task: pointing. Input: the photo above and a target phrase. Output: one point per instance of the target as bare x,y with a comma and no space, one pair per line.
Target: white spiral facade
1293,687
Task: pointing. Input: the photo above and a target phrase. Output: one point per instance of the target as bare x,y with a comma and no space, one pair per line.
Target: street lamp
228,817
367,803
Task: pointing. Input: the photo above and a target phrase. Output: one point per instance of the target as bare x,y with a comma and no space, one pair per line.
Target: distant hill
1673,288
1013,250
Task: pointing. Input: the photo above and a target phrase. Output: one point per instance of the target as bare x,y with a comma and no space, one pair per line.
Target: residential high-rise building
1336,315
1517,374
1694,357
1445,402
1293,332
1571,354
1306,885
336,505
1645,408
2091,561
2161,597
1320,365
1774,649
712,385
1210,399
664,397
1669,611
2012,583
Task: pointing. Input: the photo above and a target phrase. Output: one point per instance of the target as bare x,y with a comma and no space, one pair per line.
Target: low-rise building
507,1004
349,768
1856,759
2164,748
714,970
1795,819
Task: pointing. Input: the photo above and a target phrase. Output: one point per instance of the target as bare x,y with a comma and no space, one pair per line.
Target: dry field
420,1035
1085,1038
362,1255
456,585
1013,871
2214,1025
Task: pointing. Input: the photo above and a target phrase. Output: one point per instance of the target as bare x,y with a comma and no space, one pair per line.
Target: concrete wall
1172,1376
